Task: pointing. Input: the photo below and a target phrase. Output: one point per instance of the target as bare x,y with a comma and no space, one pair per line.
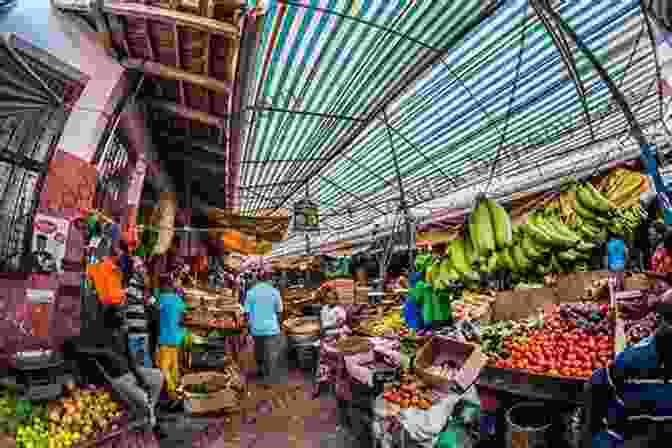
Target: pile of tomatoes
549,351
409,396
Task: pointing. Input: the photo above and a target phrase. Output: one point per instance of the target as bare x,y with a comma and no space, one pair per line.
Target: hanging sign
306,216
49,238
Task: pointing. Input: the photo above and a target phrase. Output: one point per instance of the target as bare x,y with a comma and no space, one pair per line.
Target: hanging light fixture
306,215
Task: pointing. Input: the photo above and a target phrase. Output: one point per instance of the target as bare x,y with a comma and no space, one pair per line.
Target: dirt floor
281,415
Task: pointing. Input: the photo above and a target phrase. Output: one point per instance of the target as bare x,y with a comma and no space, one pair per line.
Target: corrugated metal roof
501,91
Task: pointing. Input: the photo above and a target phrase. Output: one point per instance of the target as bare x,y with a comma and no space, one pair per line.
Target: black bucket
528,425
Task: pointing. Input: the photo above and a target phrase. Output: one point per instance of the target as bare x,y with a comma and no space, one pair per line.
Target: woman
330,365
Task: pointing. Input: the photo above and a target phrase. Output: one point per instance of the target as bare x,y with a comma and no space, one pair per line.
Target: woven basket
353,345
164,218
301,326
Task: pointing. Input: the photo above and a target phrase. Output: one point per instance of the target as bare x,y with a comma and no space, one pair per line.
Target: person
171,333
263,307
330,365
630,402
138,386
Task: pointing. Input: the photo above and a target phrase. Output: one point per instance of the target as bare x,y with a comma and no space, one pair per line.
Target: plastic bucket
528,426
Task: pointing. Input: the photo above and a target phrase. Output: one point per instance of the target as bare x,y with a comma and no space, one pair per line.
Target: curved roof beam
566,57
403,85
636,129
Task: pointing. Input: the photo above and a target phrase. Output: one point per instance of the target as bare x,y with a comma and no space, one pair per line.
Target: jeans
266,353
141,402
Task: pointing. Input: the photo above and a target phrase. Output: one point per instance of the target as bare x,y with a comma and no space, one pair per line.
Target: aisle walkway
281,416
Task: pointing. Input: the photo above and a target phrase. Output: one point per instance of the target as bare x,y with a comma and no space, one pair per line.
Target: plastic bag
107,279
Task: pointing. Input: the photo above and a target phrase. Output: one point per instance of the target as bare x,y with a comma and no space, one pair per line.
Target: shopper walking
171,333
263,306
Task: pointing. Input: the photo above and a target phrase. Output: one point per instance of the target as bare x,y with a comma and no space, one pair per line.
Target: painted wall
70,182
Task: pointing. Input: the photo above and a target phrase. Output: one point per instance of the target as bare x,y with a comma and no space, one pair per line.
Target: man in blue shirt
263,306
171,333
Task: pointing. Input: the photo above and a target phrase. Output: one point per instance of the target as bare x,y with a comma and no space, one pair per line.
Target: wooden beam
203,145
215,167
178,63
191,114
171,16
148,38
169,72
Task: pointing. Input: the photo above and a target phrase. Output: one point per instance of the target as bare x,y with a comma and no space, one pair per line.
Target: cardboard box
469,358
517,304
572,287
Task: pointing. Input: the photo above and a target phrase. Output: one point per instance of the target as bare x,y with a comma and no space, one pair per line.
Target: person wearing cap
171,333
263,307
629,403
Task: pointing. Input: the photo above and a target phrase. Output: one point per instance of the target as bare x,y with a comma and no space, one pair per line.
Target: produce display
560,238
389,325
662,261
474,304
409,395
639,314
446,370
81,416
571,341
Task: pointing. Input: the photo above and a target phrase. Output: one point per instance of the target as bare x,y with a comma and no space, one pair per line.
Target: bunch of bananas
392,322
625,221
622,187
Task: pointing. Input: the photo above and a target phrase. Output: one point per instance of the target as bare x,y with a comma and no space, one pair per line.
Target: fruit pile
473,305
639,313
445,370
572,341
390,324
82,416
662,261
410,395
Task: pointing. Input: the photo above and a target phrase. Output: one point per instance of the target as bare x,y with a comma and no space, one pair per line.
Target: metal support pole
410,231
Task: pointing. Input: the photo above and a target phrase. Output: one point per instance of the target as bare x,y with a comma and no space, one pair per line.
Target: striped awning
352,95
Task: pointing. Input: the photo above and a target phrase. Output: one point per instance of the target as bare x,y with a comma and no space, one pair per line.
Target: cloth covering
263,304
423,427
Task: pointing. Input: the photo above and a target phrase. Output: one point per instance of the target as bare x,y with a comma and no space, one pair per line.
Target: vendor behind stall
330,366
630,402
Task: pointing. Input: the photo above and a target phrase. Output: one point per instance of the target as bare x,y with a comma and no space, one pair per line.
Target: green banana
457,255
588,214
508,260
555,264
537,233
556,239
585,246
562,229
486,233
543,270
501,223
530,249
599,202
521,260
